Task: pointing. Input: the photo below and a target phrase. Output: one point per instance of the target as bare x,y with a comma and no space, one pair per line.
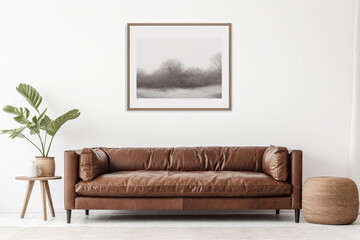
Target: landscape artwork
179,66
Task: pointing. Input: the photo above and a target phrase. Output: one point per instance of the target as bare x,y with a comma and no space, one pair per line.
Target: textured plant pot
46,165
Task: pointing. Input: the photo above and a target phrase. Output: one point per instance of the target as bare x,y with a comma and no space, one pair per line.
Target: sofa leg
68,216
277,211
87,212
297,215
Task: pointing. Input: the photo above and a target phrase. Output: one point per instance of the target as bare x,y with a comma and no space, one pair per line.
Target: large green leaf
22,114
42,115
33,127
30,94
27,112
58,122
9,131
21,119
14,133
12,110
45,123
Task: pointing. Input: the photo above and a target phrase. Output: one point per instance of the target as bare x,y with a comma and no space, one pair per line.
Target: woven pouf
330,200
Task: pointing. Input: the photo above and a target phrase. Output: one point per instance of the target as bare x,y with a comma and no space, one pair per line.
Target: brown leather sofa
190,178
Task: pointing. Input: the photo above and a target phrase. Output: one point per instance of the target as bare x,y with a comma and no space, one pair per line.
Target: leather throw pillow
275,162
93,162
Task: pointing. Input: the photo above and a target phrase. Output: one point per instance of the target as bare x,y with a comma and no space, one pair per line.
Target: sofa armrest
296,178
71,177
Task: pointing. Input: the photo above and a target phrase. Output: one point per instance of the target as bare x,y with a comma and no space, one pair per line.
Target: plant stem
42,154
42,144
45,140
47,153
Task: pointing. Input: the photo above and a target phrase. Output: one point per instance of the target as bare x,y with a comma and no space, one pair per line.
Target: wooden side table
45,191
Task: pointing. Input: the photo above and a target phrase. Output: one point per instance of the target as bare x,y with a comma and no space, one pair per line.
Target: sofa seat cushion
145,183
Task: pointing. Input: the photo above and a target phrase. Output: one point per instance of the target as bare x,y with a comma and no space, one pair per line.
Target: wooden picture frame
167,66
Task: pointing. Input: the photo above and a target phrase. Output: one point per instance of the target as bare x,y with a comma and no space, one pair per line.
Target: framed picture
179,66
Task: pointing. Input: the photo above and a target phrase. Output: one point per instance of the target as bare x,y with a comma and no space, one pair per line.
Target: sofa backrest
186,159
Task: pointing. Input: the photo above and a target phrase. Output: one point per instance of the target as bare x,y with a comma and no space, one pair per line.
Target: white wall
292,79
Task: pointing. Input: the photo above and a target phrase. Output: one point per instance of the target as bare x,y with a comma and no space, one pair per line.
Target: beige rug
198,233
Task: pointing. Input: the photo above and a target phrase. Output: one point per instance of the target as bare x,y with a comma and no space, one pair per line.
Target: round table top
37,178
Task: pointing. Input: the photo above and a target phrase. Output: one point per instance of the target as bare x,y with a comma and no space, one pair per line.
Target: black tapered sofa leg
87,212
297,215
277,211
68,216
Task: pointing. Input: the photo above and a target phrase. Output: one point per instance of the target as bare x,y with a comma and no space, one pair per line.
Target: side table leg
43,196
27,197
51,206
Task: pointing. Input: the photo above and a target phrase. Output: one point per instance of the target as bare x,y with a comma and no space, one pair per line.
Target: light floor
168,225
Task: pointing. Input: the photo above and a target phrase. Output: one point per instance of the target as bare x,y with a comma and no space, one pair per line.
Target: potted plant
40,126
